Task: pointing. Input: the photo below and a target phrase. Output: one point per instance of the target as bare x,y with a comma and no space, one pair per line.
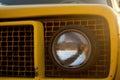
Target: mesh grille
16,51
98,25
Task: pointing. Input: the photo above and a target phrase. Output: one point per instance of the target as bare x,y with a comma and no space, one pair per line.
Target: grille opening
17,51
98,25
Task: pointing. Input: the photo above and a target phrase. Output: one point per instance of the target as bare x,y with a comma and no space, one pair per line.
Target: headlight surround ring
73,48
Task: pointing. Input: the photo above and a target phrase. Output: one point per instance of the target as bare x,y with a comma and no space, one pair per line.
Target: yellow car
59,40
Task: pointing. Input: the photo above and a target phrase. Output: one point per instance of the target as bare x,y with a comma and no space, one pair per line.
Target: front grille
16,51
98,25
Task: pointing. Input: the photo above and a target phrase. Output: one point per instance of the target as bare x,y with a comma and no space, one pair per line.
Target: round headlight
72,48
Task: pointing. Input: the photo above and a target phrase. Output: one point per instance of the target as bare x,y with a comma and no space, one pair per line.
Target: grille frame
113,42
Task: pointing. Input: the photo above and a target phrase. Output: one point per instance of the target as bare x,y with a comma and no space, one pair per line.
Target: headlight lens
71,49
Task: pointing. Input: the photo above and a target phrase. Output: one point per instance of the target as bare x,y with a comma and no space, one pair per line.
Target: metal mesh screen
17,51
98,25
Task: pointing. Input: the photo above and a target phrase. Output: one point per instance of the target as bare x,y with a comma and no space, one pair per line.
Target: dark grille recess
100,28
17,51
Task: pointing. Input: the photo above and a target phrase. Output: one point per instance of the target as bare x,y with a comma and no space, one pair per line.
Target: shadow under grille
98,25
17,51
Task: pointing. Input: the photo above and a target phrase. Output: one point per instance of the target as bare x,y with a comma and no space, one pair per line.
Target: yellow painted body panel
117,76
49,10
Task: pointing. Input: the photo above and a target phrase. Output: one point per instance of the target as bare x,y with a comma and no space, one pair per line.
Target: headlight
73,47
